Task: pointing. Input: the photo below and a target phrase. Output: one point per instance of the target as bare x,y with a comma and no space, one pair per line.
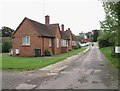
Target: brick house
66,39
32,38
75,41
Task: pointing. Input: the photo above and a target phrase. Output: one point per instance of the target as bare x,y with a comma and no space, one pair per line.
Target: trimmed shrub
79,46
104,43
70,49
48,52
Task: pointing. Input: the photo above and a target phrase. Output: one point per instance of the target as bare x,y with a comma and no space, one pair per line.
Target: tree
89,35
6,31
6,46
95,35
105,39
117,10
111,24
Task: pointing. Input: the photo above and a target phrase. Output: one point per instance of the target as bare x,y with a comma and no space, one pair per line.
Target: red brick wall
57,50
70,41
26,29
64,49
46,44
35,42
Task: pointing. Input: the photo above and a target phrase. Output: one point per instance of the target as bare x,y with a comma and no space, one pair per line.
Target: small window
61,42
74,43
26,40
50,42
64,43
57,42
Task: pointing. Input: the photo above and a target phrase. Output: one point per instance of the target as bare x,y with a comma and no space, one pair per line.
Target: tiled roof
65,34
76,38
44,30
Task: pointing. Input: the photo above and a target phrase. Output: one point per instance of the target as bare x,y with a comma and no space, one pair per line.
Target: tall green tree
95,35
117,10
6,31
111,24
6,46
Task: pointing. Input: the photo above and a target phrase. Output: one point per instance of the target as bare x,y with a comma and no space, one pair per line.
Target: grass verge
107,52
31,63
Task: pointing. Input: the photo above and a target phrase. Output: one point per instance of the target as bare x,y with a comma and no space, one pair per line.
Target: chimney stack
47,19
62,27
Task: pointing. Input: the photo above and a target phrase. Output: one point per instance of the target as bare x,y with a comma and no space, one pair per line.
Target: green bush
106,38
70,49
75,48
6,46
78,45
104,43
48,52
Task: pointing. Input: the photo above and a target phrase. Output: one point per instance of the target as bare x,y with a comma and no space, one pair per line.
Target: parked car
83,45
88,43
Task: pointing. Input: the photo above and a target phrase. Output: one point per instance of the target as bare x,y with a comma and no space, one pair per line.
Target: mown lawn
113,60
31,63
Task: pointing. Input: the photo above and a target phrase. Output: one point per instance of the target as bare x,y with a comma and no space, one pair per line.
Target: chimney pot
68,28
47,19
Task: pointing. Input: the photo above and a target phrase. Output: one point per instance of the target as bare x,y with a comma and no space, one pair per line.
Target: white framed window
74,43
50,42
64,42
26,40
57,42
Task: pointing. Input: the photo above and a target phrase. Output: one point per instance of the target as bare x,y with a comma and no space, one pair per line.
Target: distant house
32,38
66,39
74,41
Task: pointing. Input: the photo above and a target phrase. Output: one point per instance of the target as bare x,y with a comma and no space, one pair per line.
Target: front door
37,52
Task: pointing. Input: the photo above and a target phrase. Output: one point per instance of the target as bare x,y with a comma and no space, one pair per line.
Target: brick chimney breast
47,19
62,27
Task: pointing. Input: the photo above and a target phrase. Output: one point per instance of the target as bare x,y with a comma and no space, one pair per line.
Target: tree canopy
6,31
111,25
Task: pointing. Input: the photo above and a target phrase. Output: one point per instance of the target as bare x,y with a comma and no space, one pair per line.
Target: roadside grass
70,53
114,60
32,63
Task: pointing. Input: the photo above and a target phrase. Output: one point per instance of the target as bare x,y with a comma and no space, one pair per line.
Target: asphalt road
91,71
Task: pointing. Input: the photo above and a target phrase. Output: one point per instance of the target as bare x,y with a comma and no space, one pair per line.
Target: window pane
26,40
50,42
57,42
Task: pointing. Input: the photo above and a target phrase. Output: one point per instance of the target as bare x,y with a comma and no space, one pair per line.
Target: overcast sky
78,15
